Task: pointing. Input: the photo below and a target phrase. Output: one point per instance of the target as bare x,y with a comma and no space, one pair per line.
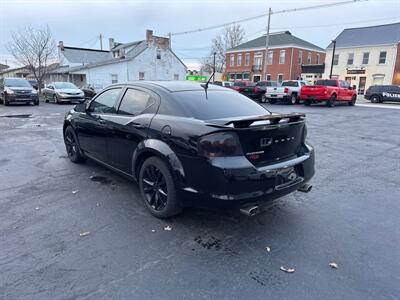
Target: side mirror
81,107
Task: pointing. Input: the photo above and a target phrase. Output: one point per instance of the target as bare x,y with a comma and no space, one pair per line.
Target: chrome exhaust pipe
305,188
250,210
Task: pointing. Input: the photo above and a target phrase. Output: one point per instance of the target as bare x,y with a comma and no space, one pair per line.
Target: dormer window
116,54
158,53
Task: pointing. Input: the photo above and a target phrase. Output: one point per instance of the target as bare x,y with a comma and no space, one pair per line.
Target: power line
264,15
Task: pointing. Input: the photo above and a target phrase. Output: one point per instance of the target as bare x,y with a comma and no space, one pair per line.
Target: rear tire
74,151
158,189
263,99
353,100
293,100
375,99
332,101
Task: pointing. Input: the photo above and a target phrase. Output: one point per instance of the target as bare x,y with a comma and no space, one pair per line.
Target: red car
329,91
239,86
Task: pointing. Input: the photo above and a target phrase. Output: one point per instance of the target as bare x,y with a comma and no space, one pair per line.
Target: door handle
137,125
101,121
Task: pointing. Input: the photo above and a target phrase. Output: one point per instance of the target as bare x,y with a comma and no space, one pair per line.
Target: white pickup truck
289,92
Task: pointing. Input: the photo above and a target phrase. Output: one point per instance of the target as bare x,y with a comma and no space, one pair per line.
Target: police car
380,93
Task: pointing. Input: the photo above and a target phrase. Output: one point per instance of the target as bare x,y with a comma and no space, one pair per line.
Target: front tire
375,99
332,101
158,189
353,100
55,99
5,101
263,99
74,152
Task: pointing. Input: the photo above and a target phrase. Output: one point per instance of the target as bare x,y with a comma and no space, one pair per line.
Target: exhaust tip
305,188
250,211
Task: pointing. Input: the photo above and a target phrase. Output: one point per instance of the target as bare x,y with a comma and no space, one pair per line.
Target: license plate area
287,177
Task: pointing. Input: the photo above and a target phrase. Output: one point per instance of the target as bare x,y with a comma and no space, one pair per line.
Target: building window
365,58
350,59
336,60
158,53
309,58
247,59
258,60
141,75
300,59
282,57
246,76
232,76
232,60
318,59
270,57
280,78
114,78
269,77
382,57
176,76
239,76
239,60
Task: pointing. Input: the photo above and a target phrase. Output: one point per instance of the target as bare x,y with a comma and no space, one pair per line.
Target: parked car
288,92
34,83
90,90
59,92
329,91
223,83
380,93
240,85
17,90
257,90
157,133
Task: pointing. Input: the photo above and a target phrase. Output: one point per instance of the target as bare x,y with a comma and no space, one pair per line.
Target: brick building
286,55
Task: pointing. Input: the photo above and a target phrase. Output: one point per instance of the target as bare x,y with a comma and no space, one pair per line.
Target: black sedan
187,145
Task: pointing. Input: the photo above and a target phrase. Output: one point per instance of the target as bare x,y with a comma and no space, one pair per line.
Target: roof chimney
61,45
149,35
111,43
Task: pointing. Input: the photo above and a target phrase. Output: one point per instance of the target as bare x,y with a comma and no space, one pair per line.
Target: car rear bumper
314,98
277,96
235,181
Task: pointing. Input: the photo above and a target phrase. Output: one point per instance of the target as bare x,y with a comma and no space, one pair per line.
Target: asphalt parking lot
351,217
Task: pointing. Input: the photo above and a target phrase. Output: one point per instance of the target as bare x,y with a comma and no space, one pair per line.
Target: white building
366,56
149,59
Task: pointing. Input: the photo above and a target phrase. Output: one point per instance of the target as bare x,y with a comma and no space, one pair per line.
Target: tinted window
326,82
290,83
104,103
17,83
220,104
239,83
134,102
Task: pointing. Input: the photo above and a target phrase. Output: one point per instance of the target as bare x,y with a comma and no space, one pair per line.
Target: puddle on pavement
100,179
19,116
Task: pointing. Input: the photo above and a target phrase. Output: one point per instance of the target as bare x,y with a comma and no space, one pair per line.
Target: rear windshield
290,83
267,83
64,85
220,104
17,83
326,82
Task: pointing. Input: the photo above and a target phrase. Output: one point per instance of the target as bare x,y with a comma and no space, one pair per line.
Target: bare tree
34,48
228,38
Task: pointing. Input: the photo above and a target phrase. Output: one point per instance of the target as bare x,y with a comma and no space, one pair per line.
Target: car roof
172,86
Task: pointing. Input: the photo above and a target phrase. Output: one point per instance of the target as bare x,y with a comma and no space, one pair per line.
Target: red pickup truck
329,91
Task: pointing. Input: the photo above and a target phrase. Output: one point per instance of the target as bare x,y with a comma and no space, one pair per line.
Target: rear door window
135,102
105,102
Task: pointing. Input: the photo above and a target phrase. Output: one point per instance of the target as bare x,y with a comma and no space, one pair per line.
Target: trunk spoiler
247,121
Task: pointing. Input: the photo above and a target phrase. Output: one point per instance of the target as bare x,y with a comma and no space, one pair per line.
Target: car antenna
205,86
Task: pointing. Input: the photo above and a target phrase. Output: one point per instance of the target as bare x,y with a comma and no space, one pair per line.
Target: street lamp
333,57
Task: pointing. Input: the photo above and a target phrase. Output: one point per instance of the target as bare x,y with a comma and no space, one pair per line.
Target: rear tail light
325,91
286,90
219,144
256,89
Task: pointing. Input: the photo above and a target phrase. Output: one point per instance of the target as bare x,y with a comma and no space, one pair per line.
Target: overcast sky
79,22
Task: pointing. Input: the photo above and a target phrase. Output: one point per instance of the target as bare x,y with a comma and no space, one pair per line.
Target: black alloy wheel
158,189
332,101
353,100
71,144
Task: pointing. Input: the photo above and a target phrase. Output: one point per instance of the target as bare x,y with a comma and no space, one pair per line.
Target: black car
17,90
90,90
257,90
380,93
34,83
188,148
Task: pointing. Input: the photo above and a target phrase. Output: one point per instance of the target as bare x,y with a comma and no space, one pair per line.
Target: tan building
366,56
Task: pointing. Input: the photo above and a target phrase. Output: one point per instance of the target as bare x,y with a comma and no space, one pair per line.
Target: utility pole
214,67
267,43
101,41
333,57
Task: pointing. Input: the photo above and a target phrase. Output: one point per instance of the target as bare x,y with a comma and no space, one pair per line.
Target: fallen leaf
36,208
167,228
268,249
84,233
333,265
153,230
74,192
287,270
